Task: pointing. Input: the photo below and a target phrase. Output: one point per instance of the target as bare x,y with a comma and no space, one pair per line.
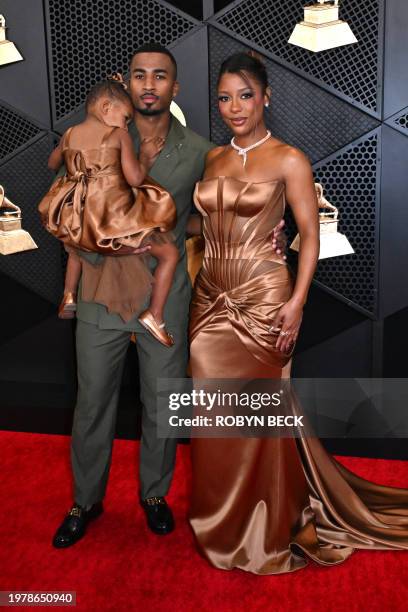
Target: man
102,338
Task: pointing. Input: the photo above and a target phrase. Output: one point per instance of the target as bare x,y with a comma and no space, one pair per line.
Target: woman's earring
267,105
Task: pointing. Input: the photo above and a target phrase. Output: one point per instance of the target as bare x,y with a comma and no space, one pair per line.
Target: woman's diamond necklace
244,151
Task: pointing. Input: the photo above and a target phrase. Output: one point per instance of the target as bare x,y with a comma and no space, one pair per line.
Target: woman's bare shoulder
214,160
291,159
294,164
214,154
294,156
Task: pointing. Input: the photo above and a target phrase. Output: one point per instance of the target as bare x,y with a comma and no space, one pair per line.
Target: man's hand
126,250
279,239
149,151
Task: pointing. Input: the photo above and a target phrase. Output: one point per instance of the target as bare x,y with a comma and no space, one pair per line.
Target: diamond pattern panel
15,131
351,70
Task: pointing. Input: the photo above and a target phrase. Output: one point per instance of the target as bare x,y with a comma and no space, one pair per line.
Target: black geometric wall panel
393,288
15,131
402,121
399,121
31,364
19,318
24,85
39,269
312,333
192,7
357,336
351,70
300,113
395,88
351,183
89,40
193,76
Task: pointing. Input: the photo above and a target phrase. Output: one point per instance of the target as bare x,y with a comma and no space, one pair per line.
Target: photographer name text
239,420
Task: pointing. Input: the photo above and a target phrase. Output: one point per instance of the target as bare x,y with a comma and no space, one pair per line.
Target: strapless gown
266,505
93,208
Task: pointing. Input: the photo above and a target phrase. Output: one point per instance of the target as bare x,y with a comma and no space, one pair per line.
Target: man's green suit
103,339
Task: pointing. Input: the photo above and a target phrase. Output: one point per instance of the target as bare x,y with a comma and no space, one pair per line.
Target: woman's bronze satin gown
266,504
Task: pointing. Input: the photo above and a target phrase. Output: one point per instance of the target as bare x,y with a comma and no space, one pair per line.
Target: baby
95,207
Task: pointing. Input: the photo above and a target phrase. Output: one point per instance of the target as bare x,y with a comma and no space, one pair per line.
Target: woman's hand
287,321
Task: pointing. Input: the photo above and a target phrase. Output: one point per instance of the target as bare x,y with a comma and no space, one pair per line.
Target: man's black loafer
159,516
74,525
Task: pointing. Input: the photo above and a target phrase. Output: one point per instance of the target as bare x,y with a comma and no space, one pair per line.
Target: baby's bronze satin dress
266,505
93,208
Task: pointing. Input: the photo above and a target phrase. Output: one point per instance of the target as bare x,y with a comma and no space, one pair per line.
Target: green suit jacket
179,166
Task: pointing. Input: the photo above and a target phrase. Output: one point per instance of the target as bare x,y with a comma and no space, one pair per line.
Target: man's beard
150,112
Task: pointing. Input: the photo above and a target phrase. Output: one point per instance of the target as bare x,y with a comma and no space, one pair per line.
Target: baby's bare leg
73,272
67,308
167,255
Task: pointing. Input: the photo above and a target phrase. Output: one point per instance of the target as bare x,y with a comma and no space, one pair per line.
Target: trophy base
331,245
319,37
9,53
15,242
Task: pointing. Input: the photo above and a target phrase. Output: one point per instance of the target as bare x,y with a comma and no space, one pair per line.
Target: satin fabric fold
94,209
250,308
266,505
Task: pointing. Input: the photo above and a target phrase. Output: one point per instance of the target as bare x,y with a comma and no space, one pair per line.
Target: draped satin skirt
267,505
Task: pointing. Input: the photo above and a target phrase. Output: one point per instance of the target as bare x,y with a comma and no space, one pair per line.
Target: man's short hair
153,47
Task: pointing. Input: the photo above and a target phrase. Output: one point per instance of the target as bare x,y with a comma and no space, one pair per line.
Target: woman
266,504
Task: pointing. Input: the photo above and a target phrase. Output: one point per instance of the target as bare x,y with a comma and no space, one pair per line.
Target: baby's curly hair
109,88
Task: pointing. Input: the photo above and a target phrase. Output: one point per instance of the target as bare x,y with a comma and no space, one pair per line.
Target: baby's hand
151,147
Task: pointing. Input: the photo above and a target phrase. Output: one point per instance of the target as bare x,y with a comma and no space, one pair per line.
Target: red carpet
121,566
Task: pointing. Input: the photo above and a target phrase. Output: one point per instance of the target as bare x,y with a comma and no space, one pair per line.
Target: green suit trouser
101,356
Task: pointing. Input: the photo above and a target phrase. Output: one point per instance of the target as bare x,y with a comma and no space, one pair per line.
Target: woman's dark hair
109,88
241,63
